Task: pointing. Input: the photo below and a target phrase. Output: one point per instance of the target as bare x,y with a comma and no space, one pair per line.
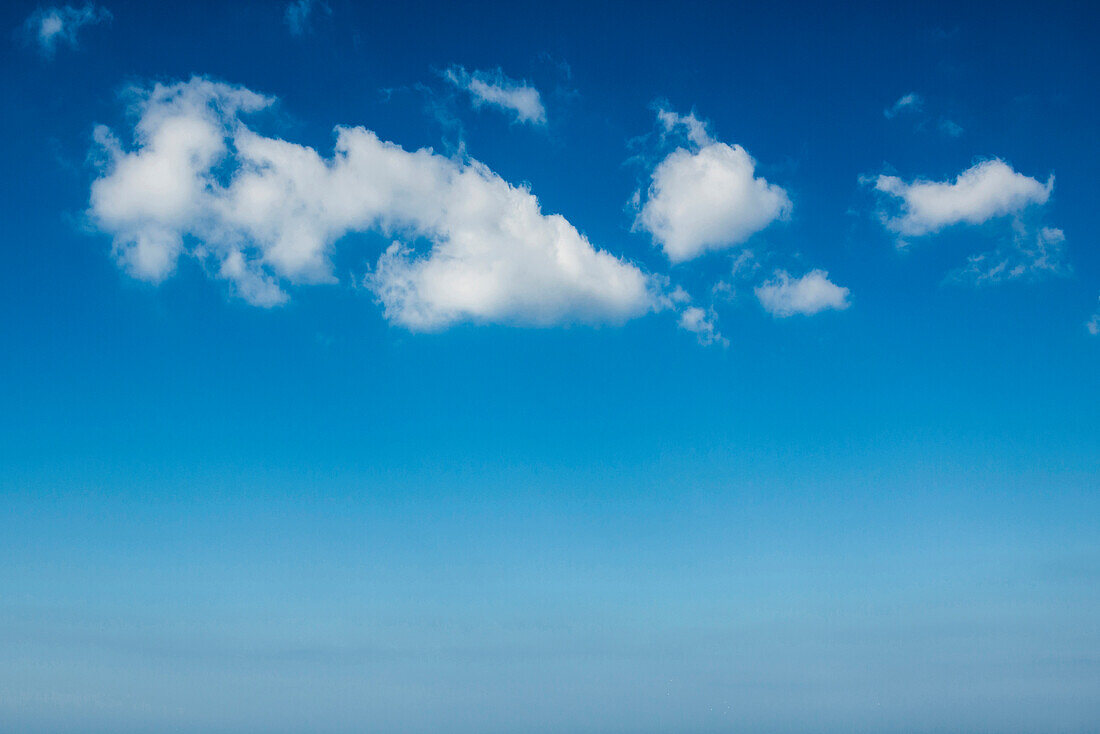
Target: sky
440,367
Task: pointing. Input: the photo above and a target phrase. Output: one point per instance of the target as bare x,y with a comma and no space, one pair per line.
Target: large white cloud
497,90
987,190
706,196
784,296
52,27
263,213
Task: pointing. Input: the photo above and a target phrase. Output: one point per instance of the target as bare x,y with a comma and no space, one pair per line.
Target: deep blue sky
224,518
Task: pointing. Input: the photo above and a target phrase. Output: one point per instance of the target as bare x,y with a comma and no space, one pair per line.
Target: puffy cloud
53,27
706,196
703,324
1030,256
494,88
987,190
263,213
784,296
911,102
1093,324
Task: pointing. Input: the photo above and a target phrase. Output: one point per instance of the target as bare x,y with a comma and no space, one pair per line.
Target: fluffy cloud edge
264,213
987,190
705,196
783,296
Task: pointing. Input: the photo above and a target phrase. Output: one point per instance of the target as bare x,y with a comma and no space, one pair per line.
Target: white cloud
299,14
494,88
1093,324
1030,256
706,196
911,102
987,190
263,213
784,296
53,27
703,324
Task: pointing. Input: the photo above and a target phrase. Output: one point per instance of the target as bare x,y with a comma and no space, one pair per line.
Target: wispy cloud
1029,256
911,102
51,28
299,15
495,89
702,323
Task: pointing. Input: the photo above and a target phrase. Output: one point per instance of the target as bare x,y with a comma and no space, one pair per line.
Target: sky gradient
800,433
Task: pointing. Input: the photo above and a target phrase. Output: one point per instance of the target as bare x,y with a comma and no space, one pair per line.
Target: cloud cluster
984,191
784,296
263,213
495,89
50,28
705,196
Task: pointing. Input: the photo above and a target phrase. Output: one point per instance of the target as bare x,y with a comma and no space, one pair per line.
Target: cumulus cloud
705,196
497,90
1093,324
50,28
1030,256
987,190
911,102
783,296
263,213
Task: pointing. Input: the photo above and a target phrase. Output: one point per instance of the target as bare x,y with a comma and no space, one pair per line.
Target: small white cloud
783,296
987,190
495,89
1093,324
706,196
911,102
1029,257
264,213
50,28
299,15
703,324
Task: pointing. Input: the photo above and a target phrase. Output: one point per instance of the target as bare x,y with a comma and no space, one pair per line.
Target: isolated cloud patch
263,213
702,323
984,191
299,15
784,296
1028,257
495,89
911,102
50,28
705,196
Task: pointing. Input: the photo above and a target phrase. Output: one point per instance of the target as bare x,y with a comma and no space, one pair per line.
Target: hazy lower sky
583,367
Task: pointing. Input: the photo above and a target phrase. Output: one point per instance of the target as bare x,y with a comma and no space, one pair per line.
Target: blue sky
708,368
